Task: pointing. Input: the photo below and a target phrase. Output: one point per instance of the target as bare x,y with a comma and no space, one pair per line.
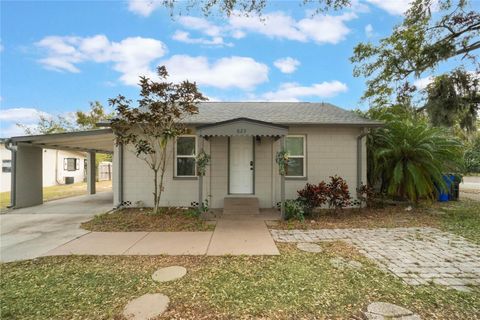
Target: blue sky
57,56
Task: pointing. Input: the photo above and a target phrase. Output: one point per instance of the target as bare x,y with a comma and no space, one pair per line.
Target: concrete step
237,205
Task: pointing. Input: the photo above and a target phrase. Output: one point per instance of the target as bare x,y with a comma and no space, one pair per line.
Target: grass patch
134,219
61,191
462,218
290,286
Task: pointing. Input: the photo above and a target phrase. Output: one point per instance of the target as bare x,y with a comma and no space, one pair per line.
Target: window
71,164
6,165
295,146
185,153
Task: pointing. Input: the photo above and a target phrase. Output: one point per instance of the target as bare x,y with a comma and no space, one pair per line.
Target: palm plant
410,157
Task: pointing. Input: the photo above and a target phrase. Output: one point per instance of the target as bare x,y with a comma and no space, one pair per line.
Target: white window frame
176,156
6,166
65,164
304,156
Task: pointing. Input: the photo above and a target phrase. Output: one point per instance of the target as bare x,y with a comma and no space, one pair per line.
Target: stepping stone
146,307
385,310
309,247
169,274
340,262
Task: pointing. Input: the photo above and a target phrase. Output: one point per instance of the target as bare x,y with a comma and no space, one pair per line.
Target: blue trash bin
444,196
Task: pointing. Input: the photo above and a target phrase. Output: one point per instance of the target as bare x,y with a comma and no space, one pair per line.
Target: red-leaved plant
338,194
313,196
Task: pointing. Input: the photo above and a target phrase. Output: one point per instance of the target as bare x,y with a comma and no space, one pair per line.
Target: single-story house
59,167
242,139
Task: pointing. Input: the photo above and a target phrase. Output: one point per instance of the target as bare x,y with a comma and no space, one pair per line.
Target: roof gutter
13,180
360,157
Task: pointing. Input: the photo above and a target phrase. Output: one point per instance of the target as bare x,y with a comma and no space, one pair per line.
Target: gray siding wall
330,151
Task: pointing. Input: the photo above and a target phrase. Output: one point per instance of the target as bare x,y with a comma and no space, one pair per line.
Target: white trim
304,156
176,156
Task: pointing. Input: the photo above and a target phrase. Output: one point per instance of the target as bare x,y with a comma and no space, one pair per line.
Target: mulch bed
142,219
389,217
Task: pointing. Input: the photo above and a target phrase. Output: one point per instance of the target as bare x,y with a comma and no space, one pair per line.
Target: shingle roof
278,112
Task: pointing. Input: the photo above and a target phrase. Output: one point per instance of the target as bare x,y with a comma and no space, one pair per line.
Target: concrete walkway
30,232
235,235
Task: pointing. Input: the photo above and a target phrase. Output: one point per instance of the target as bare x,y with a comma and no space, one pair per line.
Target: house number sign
241,130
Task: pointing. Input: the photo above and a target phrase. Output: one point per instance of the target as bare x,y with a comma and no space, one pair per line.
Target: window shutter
65,164
77,164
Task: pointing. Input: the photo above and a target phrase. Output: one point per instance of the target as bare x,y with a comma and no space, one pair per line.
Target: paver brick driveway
417,255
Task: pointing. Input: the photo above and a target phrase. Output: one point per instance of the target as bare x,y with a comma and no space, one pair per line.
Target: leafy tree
83,121
88,120
47,125
156,121
246,7
419,44
454,99
57,124
472,155
409,157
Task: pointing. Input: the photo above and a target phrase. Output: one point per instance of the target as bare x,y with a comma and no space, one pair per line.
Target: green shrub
410,157
472,156
294,209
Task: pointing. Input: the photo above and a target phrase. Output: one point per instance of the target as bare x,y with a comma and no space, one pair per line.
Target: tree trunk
162,173
156,198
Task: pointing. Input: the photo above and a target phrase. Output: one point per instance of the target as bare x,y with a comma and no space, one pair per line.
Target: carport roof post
27,176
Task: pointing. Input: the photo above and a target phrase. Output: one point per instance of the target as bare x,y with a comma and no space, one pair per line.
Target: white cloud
278,25
274,25
422,83
231,72
143,7
12,130
394,7
184,36
296,92
287,65
131,57
359,7
238,34
369,31
11,116
21,114
202,25
319,28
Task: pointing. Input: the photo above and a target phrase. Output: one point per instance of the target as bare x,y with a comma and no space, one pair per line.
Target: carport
27,188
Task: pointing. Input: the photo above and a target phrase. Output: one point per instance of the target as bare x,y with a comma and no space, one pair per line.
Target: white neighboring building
58,167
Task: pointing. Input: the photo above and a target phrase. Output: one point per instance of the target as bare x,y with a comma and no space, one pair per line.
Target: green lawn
60,191
462,218
290,286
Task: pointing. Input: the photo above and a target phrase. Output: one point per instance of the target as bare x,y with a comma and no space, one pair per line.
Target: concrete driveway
30,232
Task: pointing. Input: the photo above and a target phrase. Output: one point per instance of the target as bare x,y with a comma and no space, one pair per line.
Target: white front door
241,165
